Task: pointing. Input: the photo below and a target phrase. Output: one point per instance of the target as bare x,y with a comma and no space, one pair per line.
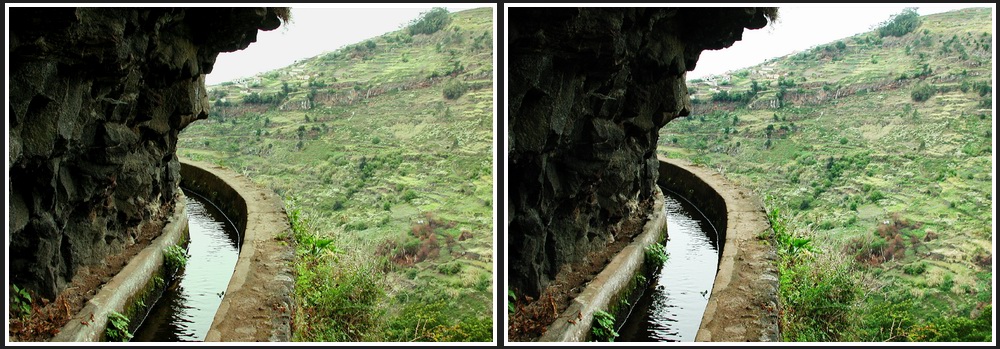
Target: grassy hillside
383,151
875,153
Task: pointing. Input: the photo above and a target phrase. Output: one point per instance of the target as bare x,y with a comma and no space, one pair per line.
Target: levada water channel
671,307
186,309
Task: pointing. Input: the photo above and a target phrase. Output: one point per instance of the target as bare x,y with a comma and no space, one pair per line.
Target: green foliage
900,24
655,254
956,328
510,300
117,328
20,301
450,268
455,88
734,97
603,328
817,300
409,195
427,320
915,268
430,21
264,99
338,303
922,92
175,258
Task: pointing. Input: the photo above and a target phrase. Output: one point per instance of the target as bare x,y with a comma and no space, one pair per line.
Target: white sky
801,26
316,29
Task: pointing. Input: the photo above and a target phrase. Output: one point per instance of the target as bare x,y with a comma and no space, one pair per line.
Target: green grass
380,149
840,168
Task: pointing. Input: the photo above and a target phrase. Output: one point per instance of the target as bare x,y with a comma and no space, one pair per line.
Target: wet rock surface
97,98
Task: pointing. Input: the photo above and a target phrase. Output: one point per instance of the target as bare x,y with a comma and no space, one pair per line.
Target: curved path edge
743,306
258,305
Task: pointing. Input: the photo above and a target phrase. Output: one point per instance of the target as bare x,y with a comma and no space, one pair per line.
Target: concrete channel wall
573,325
134,284
258,303
743,306
743,303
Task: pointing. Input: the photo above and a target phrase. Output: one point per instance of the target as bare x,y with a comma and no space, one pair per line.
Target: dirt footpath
258,305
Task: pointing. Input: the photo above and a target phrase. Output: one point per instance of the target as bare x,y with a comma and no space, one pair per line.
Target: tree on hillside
430,21
900,24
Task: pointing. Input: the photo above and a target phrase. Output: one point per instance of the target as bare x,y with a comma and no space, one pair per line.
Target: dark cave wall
589,89
97,98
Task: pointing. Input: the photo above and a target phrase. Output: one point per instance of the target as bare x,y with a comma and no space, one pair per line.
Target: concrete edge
573,325
264,263
88,324
743,218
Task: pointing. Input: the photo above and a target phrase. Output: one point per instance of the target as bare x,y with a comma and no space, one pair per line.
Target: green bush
338,302
175,258
656,254
450,268
430,21
900,24
429,320
20,301
409,195
455,88
603,328
922,92
915,268
956,329
117,328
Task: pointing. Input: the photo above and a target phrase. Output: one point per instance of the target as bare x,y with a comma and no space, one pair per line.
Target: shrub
175,258
603,328
409,195
454,89
922,92
900,24
955,329
20,301
117,329
656,254
915,268
338,302
450,268
430,21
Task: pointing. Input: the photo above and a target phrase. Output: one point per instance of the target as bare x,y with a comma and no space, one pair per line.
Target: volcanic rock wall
97,98
589,88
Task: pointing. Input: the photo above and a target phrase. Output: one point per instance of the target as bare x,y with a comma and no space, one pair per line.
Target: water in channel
671,308
187,308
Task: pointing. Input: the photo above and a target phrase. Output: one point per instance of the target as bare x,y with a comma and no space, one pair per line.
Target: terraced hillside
383,151
876,154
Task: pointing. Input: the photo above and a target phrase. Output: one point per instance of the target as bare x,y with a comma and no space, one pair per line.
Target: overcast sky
801,26
315,29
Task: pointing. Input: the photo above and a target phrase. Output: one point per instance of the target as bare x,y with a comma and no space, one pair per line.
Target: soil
48,316
532,316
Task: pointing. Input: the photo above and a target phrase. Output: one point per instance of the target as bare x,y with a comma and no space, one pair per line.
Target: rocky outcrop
97,98
589,88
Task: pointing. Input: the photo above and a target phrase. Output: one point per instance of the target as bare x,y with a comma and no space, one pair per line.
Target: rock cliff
589,88
97,98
